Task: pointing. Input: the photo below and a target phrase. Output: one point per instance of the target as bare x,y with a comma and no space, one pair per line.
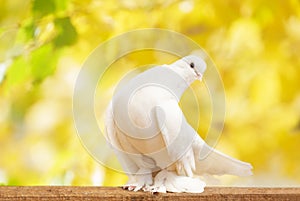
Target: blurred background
43,44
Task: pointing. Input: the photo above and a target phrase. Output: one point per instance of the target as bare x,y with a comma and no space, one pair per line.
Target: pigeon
155,145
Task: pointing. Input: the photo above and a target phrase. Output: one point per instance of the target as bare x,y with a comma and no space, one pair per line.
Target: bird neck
162,76
177,80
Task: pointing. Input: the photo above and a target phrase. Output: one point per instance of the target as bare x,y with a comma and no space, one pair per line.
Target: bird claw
133,187
139,181
129,187
146,188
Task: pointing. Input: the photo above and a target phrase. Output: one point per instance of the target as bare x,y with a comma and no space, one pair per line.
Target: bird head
190,67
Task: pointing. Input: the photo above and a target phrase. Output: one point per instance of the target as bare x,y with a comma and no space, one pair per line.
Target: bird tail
211,161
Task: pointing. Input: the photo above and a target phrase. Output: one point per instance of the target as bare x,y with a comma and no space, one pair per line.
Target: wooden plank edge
81,193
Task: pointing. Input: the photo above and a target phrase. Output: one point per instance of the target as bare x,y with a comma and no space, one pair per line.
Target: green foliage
66,32
26,33
41,8
18,72
43,62
35,67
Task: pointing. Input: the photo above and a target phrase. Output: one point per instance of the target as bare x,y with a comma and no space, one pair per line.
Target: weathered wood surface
116,194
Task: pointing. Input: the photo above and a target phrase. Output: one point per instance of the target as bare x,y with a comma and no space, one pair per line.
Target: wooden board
116,194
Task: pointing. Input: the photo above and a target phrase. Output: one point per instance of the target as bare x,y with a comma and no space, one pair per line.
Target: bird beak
200,77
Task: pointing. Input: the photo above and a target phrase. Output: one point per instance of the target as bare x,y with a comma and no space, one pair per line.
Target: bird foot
133,187
139,182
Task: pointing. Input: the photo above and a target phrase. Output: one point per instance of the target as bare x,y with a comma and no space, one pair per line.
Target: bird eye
192,65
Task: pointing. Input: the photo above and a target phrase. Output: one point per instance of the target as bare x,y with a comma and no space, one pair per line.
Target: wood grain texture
117,194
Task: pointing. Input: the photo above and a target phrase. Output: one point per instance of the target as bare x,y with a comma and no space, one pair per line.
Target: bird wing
177,135
211,161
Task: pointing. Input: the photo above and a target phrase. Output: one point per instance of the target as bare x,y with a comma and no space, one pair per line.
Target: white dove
156,146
